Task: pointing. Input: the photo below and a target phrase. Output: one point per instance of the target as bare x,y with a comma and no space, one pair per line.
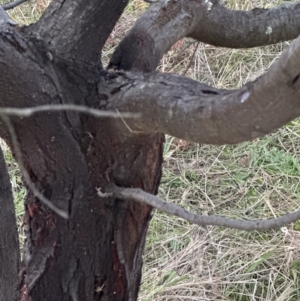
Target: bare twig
126,125
24,172
26,112
141,196
191,59
13,4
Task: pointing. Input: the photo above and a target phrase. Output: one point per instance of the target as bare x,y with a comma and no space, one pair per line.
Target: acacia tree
85,233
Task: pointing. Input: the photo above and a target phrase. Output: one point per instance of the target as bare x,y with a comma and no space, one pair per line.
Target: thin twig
14,4
126,124
141,196
24,172
26,112
191,59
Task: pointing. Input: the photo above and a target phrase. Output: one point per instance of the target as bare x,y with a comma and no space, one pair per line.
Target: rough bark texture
166,22
194,111
9,243
97,253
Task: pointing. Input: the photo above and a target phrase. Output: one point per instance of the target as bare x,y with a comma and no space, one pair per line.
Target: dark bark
96,254
166,22
9,243
76,30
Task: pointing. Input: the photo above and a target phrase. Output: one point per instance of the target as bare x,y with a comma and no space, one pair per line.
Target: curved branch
13,4
243,29
5,20
189,110
166,22
138,195
77,29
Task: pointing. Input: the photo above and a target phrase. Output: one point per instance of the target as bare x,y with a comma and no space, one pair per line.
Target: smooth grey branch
13,4
141,196
4,18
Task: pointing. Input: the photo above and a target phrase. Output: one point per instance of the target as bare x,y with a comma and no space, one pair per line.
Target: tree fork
96,254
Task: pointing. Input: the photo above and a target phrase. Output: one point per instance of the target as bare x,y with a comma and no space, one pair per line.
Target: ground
259,179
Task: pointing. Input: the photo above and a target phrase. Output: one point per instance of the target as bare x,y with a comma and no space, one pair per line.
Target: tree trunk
9,243
95,254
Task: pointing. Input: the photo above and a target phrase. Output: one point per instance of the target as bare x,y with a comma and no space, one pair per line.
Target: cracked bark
97,253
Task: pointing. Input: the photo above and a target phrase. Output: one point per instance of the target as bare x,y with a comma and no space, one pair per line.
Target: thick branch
77,29
138,195
13,4
193,111
165,22
5,20
242,29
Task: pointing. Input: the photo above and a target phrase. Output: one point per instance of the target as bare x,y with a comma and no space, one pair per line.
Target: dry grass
259,179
